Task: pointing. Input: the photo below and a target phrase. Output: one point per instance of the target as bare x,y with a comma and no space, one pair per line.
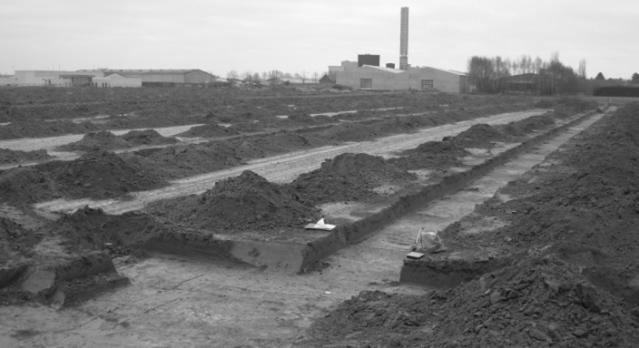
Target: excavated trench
279,168
265,308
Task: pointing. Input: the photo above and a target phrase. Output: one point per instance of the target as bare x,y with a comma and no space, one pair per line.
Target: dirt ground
176,301
156,299
573,281
280,168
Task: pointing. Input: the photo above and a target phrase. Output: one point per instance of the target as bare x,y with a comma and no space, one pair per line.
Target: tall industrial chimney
403,40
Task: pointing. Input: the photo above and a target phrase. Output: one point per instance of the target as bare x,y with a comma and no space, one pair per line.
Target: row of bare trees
273,76
488,72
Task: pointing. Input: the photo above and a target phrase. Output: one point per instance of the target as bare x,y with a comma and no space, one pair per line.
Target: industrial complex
381,206
367,73
110,78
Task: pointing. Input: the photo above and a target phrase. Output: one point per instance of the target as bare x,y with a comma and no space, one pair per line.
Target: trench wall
364,228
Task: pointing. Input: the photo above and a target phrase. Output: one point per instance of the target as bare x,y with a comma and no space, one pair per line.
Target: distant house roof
156,71
68,76
394,71
460,73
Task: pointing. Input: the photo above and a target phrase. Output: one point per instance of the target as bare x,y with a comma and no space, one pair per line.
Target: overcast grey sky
308,35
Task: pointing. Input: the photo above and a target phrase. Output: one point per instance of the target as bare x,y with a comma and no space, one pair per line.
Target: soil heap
102,174
540,302
181,161
14,156
349,176
147,137
96,175
478,135
92,229
527,125
244,202
209,130
575,281
432,154
15,241
103,140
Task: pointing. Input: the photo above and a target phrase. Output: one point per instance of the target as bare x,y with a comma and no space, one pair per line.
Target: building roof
394,71
460,73
66,76
156,71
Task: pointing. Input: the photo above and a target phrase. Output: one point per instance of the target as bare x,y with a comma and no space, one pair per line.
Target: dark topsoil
245,202
82,266
450,151
15,156
91,229
96,175
105,140
348,177
575,286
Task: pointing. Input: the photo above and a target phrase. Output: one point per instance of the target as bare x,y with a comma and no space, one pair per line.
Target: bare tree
582,69
232,75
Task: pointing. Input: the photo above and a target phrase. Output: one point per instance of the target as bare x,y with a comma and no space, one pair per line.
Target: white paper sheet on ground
320,225
414,255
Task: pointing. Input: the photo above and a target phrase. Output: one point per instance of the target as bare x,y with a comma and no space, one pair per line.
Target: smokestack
403,40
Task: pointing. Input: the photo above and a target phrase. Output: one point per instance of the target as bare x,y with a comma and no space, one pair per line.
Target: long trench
178,302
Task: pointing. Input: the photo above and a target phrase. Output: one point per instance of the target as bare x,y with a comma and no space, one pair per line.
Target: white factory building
367,73
117,80
352,75
109,78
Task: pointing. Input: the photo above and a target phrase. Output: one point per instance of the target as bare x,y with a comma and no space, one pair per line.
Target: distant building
55,78
8,81
368,59
416,78
117,80
326,80
39,77
76,80
173,77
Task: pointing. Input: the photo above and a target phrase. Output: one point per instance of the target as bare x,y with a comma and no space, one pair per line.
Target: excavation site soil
189,217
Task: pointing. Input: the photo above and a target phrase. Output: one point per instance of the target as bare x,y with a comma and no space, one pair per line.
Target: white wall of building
115,80
40,77
8,81
415,78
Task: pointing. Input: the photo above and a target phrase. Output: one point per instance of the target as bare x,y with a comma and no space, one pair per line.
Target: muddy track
282,168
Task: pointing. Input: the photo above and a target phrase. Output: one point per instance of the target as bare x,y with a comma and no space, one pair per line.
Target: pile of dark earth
574,283
245,202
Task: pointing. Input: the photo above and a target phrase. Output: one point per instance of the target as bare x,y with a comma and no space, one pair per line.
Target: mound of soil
276,143
244,202
147,137
432,154
181,161
209,130
479,135
102,174
527,125
576,282
92,229
347,177
96,175
542,302
103,140
21,128
21,186
12,156
15,241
